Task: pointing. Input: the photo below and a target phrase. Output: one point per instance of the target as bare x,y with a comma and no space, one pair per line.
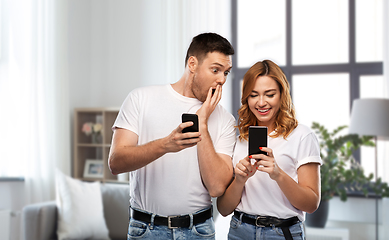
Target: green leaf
340,172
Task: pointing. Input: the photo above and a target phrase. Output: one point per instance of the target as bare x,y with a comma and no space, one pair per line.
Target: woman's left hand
267,163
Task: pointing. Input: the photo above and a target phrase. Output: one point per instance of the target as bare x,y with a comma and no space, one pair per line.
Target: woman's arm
227,203
304,194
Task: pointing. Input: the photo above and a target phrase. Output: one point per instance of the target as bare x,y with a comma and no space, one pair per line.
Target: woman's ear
192,63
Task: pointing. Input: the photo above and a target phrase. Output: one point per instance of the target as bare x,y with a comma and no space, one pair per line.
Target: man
173,175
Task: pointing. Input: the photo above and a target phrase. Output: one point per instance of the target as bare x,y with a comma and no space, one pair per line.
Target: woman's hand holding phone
267,163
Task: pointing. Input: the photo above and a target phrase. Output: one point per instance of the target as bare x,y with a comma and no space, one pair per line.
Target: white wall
114,47
104,51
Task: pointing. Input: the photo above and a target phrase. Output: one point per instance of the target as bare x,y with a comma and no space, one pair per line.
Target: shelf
86,151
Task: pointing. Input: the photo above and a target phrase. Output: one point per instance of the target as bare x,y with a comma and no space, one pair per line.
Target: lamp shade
370,117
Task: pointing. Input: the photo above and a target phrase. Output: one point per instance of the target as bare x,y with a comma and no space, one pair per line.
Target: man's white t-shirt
172,184
262,195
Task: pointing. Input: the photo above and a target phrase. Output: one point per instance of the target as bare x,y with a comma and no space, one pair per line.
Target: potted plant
340,173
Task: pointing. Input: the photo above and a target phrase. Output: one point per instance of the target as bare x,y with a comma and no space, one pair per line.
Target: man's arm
126,155
215,168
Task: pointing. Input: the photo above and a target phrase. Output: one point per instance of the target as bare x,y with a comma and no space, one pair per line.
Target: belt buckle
169,222
259,218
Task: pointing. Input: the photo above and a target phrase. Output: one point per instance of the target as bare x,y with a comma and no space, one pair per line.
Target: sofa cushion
80,209
116,202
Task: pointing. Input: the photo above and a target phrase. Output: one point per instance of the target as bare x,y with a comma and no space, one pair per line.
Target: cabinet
91,149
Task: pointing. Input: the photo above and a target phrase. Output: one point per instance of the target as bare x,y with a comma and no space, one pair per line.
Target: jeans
240,230
141,230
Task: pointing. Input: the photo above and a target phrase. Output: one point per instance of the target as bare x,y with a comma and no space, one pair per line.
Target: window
252,42
334,99
335,46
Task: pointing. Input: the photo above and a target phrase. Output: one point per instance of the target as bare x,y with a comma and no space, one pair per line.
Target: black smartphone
257,138
189,117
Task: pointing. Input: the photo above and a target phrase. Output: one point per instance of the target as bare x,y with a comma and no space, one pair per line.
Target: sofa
39,221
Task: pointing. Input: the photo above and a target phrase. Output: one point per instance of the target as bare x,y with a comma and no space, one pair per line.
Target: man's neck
183,86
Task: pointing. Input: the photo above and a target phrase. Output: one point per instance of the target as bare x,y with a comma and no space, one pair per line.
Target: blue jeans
240,230
141,230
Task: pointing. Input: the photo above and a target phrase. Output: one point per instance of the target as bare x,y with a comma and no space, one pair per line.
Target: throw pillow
80,209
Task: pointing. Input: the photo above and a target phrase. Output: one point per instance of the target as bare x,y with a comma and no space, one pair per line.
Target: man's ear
192,63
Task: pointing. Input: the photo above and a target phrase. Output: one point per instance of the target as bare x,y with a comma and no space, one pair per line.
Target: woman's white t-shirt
262,195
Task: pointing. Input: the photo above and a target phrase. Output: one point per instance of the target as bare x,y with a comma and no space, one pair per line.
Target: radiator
5,223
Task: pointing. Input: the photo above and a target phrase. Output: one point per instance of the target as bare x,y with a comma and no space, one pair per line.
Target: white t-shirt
170,185
261,195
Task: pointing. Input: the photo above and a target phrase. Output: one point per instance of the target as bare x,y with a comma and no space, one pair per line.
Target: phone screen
257,138
189,117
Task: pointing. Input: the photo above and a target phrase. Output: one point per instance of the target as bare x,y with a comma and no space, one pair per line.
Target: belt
266,221
182,221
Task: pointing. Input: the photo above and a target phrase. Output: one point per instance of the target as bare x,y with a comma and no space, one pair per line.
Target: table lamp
370,117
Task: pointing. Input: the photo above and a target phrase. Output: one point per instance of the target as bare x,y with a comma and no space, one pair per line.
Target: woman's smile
264,111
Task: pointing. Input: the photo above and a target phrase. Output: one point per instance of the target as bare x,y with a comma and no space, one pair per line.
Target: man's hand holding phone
184,136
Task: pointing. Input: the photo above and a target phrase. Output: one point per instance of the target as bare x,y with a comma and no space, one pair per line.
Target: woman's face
265,100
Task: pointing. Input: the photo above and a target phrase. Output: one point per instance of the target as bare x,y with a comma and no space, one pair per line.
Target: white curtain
34,95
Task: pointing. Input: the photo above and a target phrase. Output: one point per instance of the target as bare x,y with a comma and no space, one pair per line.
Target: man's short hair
208,42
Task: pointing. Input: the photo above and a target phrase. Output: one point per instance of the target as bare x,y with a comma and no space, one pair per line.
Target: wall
114,47
104,50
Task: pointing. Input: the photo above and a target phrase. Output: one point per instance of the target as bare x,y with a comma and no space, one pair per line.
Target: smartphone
189,117
257,138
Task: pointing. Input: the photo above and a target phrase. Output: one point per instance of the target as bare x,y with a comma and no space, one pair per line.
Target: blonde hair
285,121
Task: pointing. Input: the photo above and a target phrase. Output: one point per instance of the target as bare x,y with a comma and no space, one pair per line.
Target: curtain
34,95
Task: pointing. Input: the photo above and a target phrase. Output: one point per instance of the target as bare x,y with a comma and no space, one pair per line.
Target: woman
271,192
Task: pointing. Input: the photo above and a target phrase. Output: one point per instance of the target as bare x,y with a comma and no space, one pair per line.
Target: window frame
353,68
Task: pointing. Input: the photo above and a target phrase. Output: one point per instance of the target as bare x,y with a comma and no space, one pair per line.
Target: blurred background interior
58,56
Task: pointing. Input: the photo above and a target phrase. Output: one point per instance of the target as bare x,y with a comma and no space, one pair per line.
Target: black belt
172,221
268,221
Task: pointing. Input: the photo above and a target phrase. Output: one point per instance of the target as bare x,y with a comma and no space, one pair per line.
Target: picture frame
94,168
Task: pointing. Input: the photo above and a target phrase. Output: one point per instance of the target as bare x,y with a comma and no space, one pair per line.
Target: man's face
212,71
